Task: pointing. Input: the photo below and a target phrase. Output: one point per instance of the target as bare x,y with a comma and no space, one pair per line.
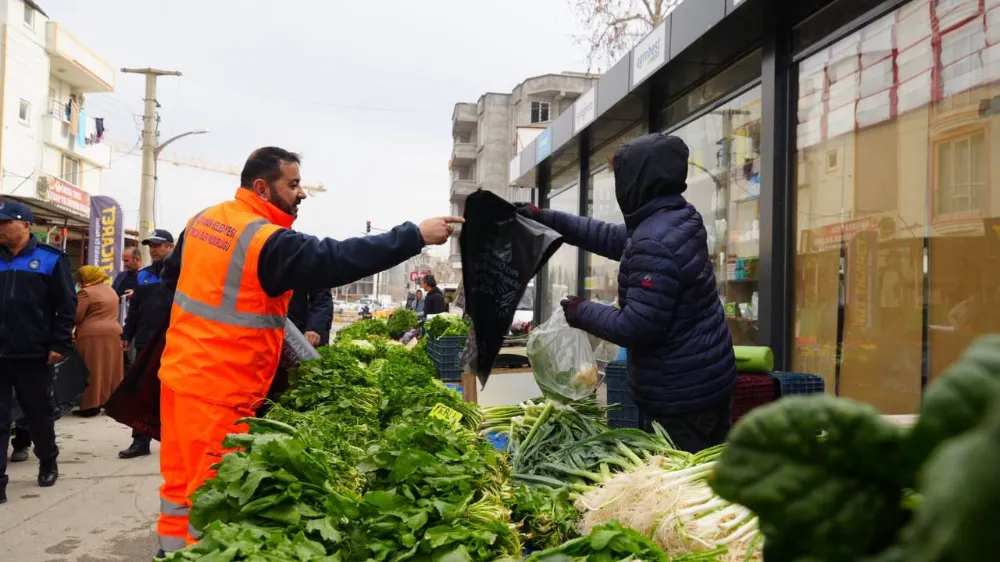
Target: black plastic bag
501,252
70,378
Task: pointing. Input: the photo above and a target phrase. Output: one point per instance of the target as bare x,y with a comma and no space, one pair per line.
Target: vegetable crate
798,384
627,414
752,391
446,353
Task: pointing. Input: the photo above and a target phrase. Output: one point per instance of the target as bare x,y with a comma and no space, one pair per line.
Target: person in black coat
36,332
144,317
434,302
681,364
312,314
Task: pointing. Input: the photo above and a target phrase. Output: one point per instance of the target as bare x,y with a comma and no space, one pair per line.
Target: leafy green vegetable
232,542
821,473
436,491
401,321
363,328
546,518
959,401
607,543
444,325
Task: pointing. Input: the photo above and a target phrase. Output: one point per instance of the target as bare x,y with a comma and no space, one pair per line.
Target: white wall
26,65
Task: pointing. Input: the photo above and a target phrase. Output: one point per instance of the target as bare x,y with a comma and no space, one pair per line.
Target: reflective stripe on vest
171,544
172,509
225,312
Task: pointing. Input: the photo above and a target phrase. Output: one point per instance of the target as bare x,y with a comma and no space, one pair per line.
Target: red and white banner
66,196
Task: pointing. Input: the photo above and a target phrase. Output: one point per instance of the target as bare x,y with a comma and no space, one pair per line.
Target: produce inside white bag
562,360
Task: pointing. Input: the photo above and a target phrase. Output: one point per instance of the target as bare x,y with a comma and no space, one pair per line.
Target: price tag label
442,412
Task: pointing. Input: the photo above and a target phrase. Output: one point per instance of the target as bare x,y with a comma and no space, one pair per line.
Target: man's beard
276,200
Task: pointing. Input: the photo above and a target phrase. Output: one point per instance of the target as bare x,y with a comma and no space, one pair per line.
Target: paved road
103,509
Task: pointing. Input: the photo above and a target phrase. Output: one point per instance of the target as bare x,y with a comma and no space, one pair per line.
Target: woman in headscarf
98,338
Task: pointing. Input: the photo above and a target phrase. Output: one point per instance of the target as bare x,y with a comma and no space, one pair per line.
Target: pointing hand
437,231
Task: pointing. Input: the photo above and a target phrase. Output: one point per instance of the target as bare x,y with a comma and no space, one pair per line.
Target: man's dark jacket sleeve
594,236
117,285
292,261
63,295
320,314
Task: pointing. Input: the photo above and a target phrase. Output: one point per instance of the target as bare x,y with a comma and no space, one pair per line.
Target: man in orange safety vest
232,274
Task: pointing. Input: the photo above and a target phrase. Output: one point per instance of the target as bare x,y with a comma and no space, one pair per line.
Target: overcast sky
364,90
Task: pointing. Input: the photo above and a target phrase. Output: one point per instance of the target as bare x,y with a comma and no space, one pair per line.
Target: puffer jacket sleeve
594,236
653,286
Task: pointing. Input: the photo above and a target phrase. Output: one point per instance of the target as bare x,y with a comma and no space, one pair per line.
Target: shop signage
418,275
862,263
543,144
829,237
649,55
107,235
584,110
63,195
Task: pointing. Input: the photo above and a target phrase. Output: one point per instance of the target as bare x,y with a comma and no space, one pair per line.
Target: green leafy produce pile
401,321
608,543
831,480
349,465
363,328
444,325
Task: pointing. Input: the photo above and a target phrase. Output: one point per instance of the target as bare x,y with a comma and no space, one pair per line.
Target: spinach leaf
821,473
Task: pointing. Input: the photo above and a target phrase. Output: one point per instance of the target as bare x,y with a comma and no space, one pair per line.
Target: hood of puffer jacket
648,168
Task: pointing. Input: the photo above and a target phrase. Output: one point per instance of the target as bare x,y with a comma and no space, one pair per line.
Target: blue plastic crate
498,440
626,415
446,353
798,384
456,387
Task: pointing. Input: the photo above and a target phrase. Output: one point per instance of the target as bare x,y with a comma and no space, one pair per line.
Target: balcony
460,189
464,118
56,133
71,61
464,154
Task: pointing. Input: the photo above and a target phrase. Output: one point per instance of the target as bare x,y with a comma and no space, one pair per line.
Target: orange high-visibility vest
226,333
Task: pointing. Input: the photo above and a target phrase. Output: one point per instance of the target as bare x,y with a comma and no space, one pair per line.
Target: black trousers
138,437
697,431
32,380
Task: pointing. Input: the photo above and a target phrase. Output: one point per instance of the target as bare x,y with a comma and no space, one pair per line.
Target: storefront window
724,185
564,265
601,282
896,125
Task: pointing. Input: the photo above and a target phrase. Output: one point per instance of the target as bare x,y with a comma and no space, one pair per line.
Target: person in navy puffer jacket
681,365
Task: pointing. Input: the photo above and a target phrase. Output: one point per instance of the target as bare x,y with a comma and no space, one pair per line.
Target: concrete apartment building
51,147
489,133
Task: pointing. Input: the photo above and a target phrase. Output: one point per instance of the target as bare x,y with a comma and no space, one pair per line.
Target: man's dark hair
265,163
431,281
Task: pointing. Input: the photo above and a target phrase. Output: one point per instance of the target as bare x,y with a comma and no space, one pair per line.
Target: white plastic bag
562,360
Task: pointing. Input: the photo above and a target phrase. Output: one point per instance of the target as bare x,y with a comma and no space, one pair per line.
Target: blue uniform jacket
37,302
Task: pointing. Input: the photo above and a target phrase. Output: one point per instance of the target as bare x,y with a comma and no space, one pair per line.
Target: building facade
487,134
51,148
845,160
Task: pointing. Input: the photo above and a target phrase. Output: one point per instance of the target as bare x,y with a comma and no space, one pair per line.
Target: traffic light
368,226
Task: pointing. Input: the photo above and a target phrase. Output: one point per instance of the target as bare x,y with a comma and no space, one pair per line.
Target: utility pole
149,152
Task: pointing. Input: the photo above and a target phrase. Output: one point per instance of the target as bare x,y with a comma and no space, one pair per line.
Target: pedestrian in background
39,306
126,281
434,302
312,314
418,304
143,318
98,338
